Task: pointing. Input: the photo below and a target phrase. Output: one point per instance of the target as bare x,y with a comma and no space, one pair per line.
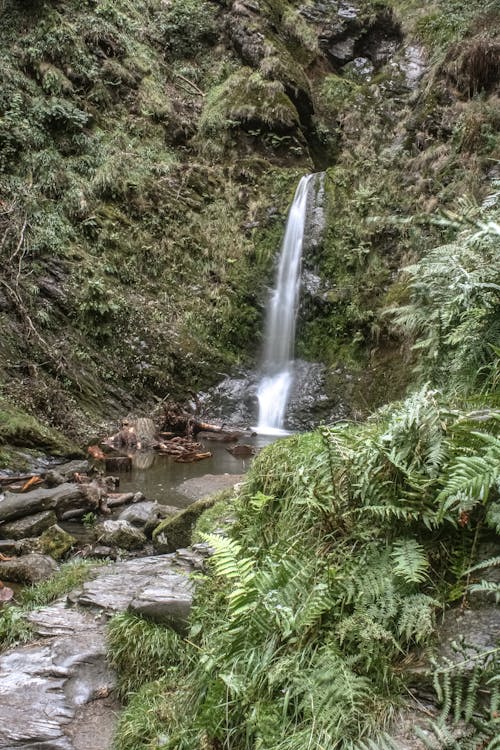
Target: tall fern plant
453,316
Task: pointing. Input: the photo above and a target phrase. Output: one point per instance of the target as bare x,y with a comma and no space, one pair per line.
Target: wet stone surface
57,692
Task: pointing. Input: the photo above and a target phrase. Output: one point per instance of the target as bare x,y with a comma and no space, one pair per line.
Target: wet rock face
309,401
56,694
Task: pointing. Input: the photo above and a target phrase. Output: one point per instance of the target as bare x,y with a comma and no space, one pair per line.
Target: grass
13,625
140,650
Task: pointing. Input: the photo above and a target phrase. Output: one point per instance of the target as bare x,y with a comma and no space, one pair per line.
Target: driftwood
189,458
16,479
183,450
180,422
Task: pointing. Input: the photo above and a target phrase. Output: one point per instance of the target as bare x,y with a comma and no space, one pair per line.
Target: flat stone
162,577
208,484
167,599
28,568
43,686
56,694
29,525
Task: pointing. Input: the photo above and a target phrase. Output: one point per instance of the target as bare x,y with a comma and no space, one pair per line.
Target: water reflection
158,476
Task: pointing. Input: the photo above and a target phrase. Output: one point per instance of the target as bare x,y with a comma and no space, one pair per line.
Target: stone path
57,692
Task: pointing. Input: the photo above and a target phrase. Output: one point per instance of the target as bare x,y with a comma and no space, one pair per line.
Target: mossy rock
175,533
17,428
246,98
56,542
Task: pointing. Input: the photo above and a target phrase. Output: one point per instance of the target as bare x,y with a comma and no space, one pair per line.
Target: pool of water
158,476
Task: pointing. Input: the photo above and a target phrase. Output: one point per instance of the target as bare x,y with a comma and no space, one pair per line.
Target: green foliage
187,26
339,558
467,687
141,651
14,627
453,309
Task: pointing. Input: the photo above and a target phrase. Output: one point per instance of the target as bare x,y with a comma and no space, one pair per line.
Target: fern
410,561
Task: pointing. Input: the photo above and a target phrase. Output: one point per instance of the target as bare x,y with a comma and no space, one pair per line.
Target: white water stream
274,388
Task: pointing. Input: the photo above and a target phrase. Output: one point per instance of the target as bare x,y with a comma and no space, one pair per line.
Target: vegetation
350,542
14,627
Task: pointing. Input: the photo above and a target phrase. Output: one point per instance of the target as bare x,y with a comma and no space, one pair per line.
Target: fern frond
410,561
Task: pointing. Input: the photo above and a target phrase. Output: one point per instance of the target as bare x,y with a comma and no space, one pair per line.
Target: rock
174,533
120,534
6,594
199,487
61,499
147,515
55,693
242,451
167,599
54,478
56,542
45,686
479,628
28,568
29,525
118,586
100,552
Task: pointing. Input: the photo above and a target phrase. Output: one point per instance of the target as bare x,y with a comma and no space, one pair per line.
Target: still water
158,477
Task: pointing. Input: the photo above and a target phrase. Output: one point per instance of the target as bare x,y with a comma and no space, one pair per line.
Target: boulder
120,534
56,542
147,515
28,568
54,478
28,526
61,499
174,533
166,599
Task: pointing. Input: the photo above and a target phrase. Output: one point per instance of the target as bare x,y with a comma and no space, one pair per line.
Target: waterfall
277,369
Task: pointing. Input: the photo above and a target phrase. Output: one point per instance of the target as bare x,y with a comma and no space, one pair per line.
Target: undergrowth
14,628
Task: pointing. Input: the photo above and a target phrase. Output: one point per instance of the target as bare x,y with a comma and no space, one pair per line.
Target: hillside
149,152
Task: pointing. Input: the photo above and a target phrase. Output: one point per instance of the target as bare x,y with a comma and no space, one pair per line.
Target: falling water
274,387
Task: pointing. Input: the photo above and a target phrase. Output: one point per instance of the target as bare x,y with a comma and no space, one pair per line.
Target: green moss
216,516
247,98
56,542
175,533
20,429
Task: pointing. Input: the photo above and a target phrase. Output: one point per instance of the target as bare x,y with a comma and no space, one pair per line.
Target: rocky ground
57,691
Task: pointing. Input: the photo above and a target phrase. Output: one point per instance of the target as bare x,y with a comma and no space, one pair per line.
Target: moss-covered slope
149,150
